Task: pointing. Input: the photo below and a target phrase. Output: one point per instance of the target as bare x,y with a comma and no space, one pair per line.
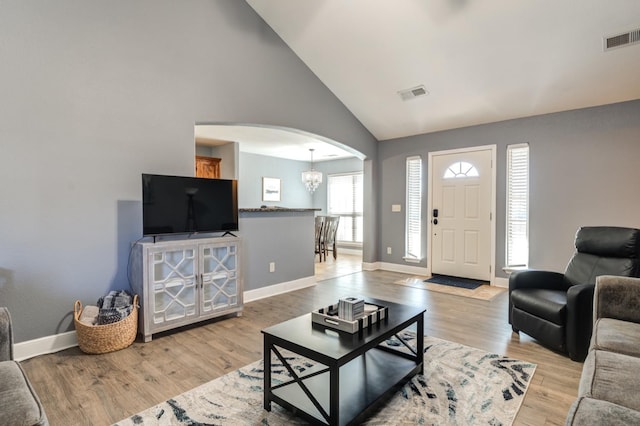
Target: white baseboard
44,345
370,266
501,282
351,251
50,344
272,290
395,267
58,342
417,270
405,269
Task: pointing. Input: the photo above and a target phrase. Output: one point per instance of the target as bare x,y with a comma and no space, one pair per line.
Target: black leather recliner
557,309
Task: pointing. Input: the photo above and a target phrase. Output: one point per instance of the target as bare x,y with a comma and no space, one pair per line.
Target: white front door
461,214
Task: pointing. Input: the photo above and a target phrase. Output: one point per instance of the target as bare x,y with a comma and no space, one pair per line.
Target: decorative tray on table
329,317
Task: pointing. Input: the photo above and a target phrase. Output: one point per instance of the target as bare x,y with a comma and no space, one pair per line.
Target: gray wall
254,167
284,238
229,155
584,171
94,93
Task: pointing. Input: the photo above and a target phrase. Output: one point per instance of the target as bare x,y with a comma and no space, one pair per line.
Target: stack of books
350,308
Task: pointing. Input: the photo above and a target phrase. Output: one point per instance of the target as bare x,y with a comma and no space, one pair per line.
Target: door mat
484,292
467,283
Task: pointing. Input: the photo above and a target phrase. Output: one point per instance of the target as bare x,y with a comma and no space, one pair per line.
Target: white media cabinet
180,282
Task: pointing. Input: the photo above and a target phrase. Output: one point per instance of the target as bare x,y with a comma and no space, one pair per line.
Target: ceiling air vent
412,93
624,39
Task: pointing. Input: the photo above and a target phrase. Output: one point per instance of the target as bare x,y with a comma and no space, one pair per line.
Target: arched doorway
259,146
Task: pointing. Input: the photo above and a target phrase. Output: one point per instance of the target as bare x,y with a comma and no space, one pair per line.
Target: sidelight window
413,227
517,232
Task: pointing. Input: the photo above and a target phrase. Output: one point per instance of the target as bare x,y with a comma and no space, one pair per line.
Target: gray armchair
19,404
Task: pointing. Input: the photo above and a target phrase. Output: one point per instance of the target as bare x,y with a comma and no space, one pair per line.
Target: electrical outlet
388,250
272,266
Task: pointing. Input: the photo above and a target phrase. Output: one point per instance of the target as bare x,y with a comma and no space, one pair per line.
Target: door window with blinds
345,199
413,227
517,232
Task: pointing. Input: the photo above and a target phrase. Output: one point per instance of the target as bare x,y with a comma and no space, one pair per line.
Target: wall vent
412,93
620,40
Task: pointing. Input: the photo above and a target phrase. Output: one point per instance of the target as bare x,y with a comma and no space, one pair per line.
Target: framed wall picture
271,188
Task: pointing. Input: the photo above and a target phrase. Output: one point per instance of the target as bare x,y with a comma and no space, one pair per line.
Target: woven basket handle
77,309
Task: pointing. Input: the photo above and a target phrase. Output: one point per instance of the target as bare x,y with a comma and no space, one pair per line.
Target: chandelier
311,178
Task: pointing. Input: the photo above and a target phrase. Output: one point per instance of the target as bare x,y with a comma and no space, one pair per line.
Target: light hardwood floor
345,264
79,389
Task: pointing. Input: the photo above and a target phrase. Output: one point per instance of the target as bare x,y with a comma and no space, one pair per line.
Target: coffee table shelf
363,381
352,372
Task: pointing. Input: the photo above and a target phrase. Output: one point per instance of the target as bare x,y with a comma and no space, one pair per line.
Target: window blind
517,232
413,231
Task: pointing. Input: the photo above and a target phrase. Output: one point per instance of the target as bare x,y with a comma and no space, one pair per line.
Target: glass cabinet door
219,278
174,284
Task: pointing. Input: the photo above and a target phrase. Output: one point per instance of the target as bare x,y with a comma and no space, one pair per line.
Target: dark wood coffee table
353,372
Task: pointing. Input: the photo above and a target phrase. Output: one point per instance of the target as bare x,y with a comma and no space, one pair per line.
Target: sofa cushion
19,404
594,412
6,336
550,305
616,336
611,377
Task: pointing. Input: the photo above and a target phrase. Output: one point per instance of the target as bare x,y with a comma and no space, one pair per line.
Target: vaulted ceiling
478,61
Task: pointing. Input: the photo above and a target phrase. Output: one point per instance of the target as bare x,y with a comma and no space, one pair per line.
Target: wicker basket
100,339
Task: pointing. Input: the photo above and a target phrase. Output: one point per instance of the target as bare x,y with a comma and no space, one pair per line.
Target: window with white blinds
517,250
345,199
413,231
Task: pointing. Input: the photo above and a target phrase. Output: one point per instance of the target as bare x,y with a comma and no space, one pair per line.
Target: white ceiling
286,143
480,61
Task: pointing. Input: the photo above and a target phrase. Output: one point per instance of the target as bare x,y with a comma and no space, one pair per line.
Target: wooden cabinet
208,167
185,281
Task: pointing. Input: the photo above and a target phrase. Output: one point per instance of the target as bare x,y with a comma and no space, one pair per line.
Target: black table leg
267,373
334,395
420,343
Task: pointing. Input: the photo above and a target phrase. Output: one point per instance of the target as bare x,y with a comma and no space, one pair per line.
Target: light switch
396,207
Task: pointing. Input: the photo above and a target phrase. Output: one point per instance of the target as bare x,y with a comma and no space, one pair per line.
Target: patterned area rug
461,386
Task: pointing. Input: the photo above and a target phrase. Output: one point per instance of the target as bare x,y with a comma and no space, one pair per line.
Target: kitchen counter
276,209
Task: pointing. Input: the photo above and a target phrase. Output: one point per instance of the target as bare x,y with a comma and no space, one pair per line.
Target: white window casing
517,216
413,223
345,199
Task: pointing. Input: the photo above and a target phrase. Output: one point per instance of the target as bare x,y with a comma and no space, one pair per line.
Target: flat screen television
186,205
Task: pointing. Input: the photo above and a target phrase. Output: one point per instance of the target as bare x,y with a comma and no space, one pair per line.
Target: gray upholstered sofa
19,404
609,392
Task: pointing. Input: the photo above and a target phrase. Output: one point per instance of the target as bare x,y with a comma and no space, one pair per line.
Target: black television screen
185,205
